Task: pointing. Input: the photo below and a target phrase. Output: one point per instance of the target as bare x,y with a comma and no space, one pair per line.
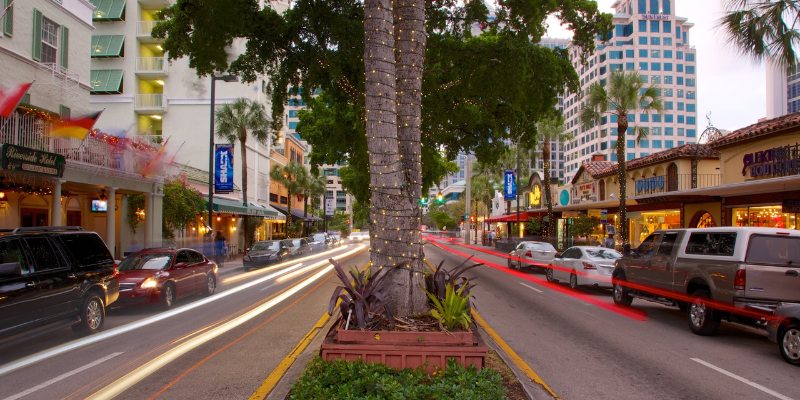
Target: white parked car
531,254
584,265
359,236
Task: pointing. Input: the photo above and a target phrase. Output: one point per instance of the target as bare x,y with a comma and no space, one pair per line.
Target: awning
236,207
108,10
106,81
297,214
524,216
107,45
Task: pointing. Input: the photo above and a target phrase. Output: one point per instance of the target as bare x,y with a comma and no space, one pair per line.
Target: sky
729,86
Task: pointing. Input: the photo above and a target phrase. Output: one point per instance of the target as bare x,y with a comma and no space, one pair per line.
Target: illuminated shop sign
653,184
777,161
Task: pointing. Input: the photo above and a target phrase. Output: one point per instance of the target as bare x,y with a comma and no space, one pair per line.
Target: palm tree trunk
246,220
622,127
548,198
305,213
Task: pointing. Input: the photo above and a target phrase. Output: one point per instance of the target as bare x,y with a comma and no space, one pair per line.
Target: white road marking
98,337
61,377
743,380
531,287
265,288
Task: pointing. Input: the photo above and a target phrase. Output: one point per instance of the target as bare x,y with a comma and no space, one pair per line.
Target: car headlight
149,283
246,258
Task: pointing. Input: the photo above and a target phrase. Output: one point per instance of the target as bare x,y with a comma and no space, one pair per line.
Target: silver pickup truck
738,274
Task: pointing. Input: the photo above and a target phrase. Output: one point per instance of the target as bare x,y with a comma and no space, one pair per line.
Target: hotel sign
655,17
23,159
774,162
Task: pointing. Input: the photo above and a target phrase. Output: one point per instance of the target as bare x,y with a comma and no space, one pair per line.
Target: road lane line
531,287
62,377
743,380
137,375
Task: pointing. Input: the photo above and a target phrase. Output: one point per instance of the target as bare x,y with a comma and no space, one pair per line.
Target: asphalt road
585,347
216,347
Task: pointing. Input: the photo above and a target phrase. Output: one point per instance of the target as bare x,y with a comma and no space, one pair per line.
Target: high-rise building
783,90
648,38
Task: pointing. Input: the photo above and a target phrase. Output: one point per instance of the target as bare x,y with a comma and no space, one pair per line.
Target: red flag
76,128
10,97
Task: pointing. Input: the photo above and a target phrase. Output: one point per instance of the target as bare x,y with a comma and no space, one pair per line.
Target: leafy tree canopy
181,206
478,89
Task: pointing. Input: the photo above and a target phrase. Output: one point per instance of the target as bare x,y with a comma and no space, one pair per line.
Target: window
8,19
629,66
49,41
642,39
655,40
680,93
691,132
656,117
668,104
195,257
712,243
643,66
667,41
293,113
669,118
631,143
642,6
648,246
182,257
643,53
87,248
680,80
667,53
679,67
773,250
572,253
680,106
690,82
690,107
667,244
655,66
644,118
679,55
12,262
645,144
631,156
629,53
655,53
654,26
615,54
667,66
642,26
656,144
293,125
689,56
680,119
669,143
44,255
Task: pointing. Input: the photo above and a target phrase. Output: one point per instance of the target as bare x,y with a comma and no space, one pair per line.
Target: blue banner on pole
223,168
509,185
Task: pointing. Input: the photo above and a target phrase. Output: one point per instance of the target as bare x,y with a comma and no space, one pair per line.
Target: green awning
106,81
236,207
107,45
108,10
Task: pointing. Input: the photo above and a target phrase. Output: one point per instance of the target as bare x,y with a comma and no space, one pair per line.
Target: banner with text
223,168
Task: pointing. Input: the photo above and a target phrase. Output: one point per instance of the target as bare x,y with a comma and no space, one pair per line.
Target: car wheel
573,280
211,284
789,343
92,314
548,273
703,320
168,295
620,293
510,264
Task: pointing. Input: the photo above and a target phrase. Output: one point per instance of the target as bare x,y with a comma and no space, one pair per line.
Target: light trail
137,375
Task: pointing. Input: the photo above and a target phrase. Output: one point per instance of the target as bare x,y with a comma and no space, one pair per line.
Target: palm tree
626,94
235,121
483,193
764,29
313,187
550,130
291,176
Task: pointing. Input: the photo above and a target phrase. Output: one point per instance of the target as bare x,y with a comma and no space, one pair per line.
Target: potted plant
366,330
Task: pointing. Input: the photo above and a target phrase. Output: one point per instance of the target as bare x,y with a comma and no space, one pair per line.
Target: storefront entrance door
73,218
33,217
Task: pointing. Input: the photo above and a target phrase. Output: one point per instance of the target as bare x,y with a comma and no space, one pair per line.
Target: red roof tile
759,129
685,151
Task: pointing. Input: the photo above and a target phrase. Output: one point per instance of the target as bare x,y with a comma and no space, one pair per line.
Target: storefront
646,222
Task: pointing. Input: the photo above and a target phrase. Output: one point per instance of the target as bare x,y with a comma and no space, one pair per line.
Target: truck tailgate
773,268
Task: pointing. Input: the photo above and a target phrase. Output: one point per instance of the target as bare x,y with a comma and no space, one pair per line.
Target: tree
181,205
478,90
584,226
291,176
482,193
313,187
626,94
764,29
550,130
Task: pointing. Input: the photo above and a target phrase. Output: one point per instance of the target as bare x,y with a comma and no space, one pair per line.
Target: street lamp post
214,79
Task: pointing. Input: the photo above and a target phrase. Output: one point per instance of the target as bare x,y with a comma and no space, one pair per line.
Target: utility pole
468,199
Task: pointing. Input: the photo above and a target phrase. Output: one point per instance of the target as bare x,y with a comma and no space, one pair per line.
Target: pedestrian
219,248
491,238
609,242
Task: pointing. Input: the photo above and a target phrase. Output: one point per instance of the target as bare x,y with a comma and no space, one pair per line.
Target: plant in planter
436,282
362,297
453,312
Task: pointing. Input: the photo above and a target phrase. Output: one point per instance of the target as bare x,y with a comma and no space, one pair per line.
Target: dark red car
164,275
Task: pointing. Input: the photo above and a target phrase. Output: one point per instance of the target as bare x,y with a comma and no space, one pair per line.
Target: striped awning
107,45
108,10
106,81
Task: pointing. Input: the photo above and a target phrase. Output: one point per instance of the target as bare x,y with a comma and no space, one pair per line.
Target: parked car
296,247
318,242
53,274
163,275
536,254
334,239
785,330
583,265
263,253
359,236
750,269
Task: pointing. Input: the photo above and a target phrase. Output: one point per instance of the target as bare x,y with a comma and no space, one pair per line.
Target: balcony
663,183
149,103
151,67
93,152
144,31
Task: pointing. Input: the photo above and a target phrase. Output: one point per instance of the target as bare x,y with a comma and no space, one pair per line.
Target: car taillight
528,254
116,270
740,280
587,265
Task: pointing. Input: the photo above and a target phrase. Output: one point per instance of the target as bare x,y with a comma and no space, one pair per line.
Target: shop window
712,244
765,217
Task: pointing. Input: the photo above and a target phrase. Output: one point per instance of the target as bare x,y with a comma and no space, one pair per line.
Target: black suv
48,274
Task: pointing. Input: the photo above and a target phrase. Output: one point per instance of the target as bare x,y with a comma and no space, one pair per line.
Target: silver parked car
535,254
785,330
584,265
318,242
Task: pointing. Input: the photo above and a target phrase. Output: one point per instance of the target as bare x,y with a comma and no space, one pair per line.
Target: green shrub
453,311
358,380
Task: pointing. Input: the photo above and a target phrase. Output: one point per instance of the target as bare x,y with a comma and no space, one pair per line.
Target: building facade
648,38
68,181
783,90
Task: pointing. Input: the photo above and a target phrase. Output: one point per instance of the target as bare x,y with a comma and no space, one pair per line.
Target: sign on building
329,207
774,162
509,185
223,168
23,159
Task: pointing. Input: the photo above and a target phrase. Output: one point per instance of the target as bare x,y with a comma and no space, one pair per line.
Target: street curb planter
399,350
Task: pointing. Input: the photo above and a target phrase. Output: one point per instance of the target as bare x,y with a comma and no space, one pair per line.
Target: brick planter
430,350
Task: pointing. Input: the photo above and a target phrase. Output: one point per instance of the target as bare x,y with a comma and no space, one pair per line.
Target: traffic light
472,219
423,201
440,198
